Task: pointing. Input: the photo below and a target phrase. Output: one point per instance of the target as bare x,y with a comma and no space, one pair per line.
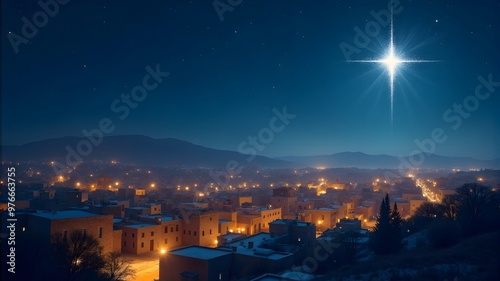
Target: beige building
200,227
284,198
415,203
154,233
44,225
254,220
327,217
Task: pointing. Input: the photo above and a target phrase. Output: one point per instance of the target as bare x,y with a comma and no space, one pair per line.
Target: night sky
226,76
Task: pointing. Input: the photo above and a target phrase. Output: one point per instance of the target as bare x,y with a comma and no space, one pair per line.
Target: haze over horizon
258,152
226,76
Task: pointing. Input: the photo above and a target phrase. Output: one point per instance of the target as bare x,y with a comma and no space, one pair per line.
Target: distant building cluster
223,235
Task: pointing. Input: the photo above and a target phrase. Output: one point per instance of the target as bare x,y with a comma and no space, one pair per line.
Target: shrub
443,233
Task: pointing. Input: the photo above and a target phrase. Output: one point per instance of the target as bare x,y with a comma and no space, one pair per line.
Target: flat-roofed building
256,219
446,191
297,232
196,263
415,204
250,259
327,217
284,198
234,261
151,234
200,227
44,224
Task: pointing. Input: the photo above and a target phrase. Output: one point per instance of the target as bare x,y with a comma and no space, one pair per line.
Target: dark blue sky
227,76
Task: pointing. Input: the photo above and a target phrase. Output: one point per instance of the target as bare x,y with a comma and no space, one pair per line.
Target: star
392,61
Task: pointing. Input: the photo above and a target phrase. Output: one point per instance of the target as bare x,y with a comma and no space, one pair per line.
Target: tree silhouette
450,207
380,240
425,214
386,236
78,257
478,208
396,223
117,268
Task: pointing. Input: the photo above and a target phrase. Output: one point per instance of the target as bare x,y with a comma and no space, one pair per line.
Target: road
146,266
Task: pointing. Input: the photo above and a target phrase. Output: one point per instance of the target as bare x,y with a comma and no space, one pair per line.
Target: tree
380,239
350,246
117,268
425,214
478,208
450,207
443,233
429,210
78,256
396,223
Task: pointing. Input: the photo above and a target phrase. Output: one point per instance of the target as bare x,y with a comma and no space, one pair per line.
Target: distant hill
140,150
170,152
361,160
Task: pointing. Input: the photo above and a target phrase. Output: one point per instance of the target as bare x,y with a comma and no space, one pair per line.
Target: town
174,224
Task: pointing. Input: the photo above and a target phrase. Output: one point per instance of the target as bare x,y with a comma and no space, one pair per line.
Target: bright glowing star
392,61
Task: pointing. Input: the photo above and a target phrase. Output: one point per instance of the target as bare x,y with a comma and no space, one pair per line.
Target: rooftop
66,215
141,225
199,252
163,218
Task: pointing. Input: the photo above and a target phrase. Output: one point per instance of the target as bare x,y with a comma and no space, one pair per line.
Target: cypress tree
396,222
382,231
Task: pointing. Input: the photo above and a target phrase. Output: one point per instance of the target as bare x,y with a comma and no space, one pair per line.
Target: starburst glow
391,61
